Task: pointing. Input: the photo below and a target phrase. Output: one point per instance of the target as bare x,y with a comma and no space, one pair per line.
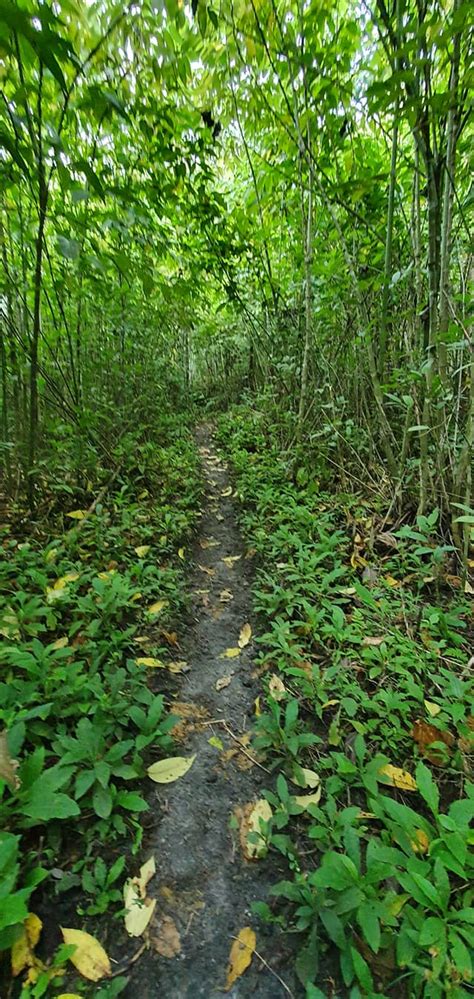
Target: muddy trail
204,885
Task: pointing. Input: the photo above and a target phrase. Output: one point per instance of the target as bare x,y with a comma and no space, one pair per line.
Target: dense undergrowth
365,630
82,598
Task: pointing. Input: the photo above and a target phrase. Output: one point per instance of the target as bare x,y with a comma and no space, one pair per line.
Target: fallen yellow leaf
421,842
396,906
432,709
230,653
303,800
177,666
276,688
70,577
398,778
89,957
167,771
222,682
245,636
261,812
241,954
307,778
22,955
142,550
207,570
375,641
60,643
227,491
392,581
139,908
150,661
158,606
77,514
8,766
229,559
225,596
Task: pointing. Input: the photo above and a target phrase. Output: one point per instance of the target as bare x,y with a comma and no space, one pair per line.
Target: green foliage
80,717
368,639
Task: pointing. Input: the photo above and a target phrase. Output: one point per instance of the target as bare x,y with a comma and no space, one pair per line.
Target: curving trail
204,885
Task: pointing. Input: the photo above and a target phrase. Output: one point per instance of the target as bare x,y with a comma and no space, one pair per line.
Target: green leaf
427,787
69,248
102,802
334,927
46,807
8,142
463,915
131,801
369,924
362,971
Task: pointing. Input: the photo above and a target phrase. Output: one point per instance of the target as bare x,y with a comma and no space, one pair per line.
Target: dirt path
203,884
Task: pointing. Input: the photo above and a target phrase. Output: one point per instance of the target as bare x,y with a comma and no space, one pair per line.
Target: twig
188,926
275,974
241,748
124,967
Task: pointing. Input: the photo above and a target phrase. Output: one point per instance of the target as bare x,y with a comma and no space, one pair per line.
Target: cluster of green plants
79,718
364,634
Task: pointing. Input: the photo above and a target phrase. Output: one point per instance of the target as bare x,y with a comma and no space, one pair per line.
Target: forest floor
204,885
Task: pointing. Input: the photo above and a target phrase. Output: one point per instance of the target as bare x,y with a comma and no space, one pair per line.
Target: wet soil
204,885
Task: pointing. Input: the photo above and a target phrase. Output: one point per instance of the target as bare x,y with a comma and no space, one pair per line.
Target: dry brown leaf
89,957
240,957
245,636
166,939
425,735
223,682
170,637
398,778
209,543
376,641
189,710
